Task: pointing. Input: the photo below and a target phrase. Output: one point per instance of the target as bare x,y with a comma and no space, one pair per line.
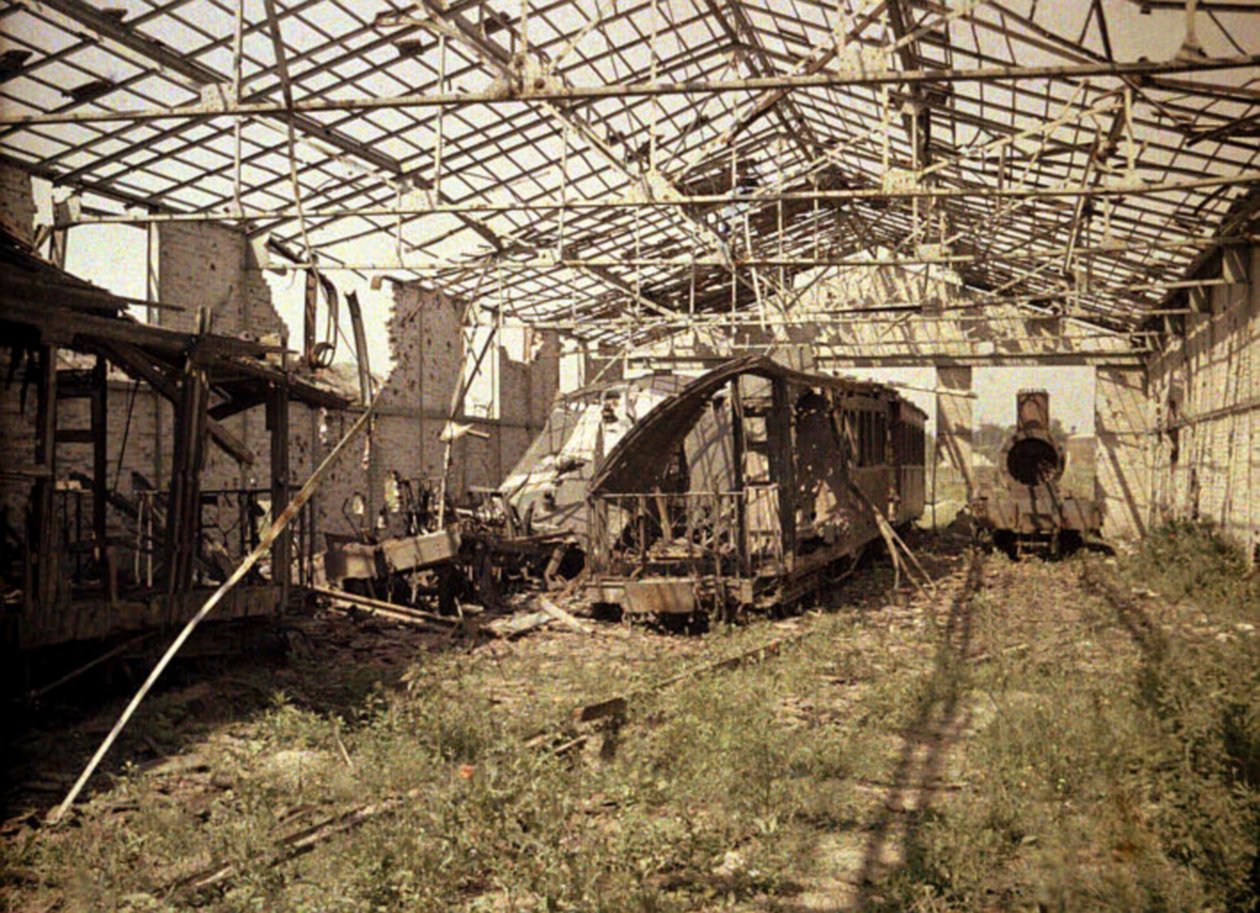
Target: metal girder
501,61
443,264
919,360
514,94
1217,6
793,120
200,75
112,30
1123,189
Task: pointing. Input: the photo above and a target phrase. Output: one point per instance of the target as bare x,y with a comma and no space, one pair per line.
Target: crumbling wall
428,346
1205,395
526,391
204,265
17,202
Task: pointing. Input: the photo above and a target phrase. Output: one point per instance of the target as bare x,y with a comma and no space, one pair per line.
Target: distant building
1080,449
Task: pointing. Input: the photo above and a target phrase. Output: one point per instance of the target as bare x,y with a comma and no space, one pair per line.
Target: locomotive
1026,510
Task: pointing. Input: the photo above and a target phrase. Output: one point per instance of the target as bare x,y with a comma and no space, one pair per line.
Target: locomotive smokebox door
1032,457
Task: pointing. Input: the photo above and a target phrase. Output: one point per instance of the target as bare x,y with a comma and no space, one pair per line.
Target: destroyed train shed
92,561
487,317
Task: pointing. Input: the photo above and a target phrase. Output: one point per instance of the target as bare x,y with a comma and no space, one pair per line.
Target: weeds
1118,769
713,793
1044,751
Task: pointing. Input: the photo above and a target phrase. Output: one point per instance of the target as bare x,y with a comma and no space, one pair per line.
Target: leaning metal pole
268,537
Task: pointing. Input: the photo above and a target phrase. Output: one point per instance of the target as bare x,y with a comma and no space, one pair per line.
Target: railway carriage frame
810,459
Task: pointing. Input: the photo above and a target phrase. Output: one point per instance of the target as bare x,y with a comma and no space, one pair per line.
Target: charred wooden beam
135,362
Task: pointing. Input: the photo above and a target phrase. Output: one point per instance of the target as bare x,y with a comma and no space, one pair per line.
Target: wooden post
42,592
100,464
282,550
739,445
183,515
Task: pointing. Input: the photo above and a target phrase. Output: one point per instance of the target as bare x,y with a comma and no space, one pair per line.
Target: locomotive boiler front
1026,510
1032,456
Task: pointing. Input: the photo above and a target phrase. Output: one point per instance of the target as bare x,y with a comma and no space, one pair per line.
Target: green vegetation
1118,764
709,793
1020,740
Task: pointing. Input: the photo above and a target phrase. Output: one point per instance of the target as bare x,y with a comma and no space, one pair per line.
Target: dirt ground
830,760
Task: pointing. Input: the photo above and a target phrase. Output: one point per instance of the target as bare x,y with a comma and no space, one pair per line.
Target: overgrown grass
1029,746
710,794
1194,561
1118,764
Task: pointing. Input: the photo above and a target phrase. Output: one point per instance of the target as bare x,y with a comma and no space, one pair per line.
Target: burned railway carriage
748,487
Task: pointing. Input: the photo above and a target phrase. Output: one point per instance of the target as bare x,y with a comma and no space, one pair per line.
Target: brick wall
207,265
427,344
1205,393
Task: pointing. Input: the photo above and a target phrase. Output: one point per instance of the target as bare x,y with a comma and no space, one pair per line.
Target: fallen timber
388,609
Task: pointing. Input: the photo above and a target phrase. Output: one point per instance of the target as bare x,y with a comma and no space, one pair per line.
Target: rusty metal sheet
420,551
660,596
650,444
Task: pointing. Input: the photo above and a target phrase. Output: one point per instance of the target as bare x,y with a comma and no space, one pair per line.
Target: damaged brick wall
211,266
428,348
1204,392
526,391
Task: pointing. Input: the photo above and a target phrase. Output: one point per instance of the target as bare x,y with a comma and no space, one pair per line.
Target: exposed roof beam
517,93
171,63
167,60
501,61
963,191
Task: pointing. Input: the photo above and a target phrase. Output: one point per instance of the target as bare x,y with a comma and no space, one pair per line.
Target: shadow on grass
229,673
928,739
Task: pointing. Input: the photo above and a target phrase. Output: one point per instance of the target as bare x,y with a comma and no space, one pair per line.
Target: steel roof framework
643,160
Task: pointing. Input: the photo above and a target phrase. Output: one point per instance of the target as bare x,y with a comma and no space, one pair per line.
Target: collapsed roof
600,165
40,302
